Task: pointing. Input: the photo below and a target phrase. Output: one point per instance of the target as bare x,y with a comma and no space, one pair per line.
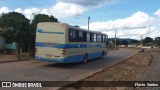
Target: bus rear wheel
85,58
103,53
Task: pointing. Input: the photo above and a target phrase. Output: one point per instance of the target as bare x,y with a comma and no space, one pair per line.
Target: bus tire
102,54
85,58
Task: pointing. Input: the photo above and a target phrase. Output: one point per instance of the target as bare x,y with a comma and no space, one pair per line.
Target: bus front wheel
85,58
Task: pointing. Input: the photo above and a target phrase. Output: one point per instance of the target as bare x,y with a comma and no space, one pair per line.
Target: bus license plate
49,56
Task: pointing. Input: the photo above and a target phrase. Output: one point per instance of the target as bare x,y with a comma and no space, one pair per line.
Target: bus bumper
71,59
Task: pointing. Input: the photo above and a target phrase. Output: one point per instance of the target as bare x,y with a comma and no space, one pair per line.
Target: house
149,45
2,43
9,47
134,45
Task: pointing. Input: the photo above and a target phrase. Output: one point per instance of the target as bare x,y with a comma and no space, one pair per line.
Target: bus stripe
41,31
54,45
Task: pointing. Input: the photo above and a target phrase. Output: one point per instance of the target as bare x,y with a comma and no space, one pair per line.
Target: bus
62,43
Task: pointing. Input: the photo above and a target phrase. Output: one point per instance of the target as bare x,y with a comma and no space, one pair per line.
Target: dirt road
142,67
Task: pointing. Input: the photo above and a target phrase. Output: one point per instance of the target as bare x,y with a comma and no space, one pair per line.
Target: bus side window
84,36
70,35
80,36
99,38
91,37
88,37
106,38
95,38
103,38
74,36
77,33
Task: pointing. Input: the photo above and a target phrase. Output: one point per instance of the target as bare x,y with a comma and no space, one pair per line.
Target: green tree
134,41
157,41
117,42
123,42
42,18
147,40
17,29
39,18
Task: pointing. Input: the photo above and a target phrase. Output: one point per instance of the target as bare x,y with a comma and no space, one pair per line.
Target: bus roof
73,27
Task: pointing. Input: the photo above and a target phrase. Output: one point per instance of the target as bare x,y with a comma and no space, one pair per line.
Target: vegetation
147,40
134,41
38,18
21,30
17,29
157,41
124,42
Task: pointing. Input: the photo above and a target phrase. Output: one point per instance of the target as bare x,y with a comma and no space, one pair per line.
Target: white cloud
137,20
157,13
4,10
60,10
87,3
135,33
29,13
140,23
137,24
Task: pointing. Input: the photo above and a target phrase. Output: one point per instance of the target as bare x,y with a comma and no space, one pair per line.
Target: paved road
45,71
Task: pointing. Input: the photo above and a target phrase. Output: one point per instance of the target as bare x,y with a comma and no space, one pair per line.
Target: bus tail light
35,49
63,50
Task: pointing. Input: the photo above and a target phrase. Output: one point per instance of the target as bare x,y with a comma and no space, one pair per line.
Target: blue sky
26,3
121,9
110,11
105,14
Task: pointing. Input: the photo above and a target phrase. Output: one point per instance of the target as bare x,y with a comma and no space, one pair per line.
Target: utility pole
88,21
141,41
115,38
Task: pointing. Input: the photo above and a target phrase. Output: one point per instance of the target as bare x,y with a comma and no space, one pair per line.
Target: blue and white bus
62,43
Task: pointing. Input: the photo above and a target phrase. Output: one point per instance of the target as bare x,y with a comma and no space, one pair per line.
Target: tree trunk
18,53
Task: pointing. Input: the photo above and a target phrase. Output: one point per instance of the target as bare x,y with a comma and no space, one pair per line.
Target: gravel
144,66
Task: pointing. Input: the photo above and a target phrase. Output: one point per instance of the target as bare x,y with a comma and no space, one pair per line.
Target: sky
130,18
